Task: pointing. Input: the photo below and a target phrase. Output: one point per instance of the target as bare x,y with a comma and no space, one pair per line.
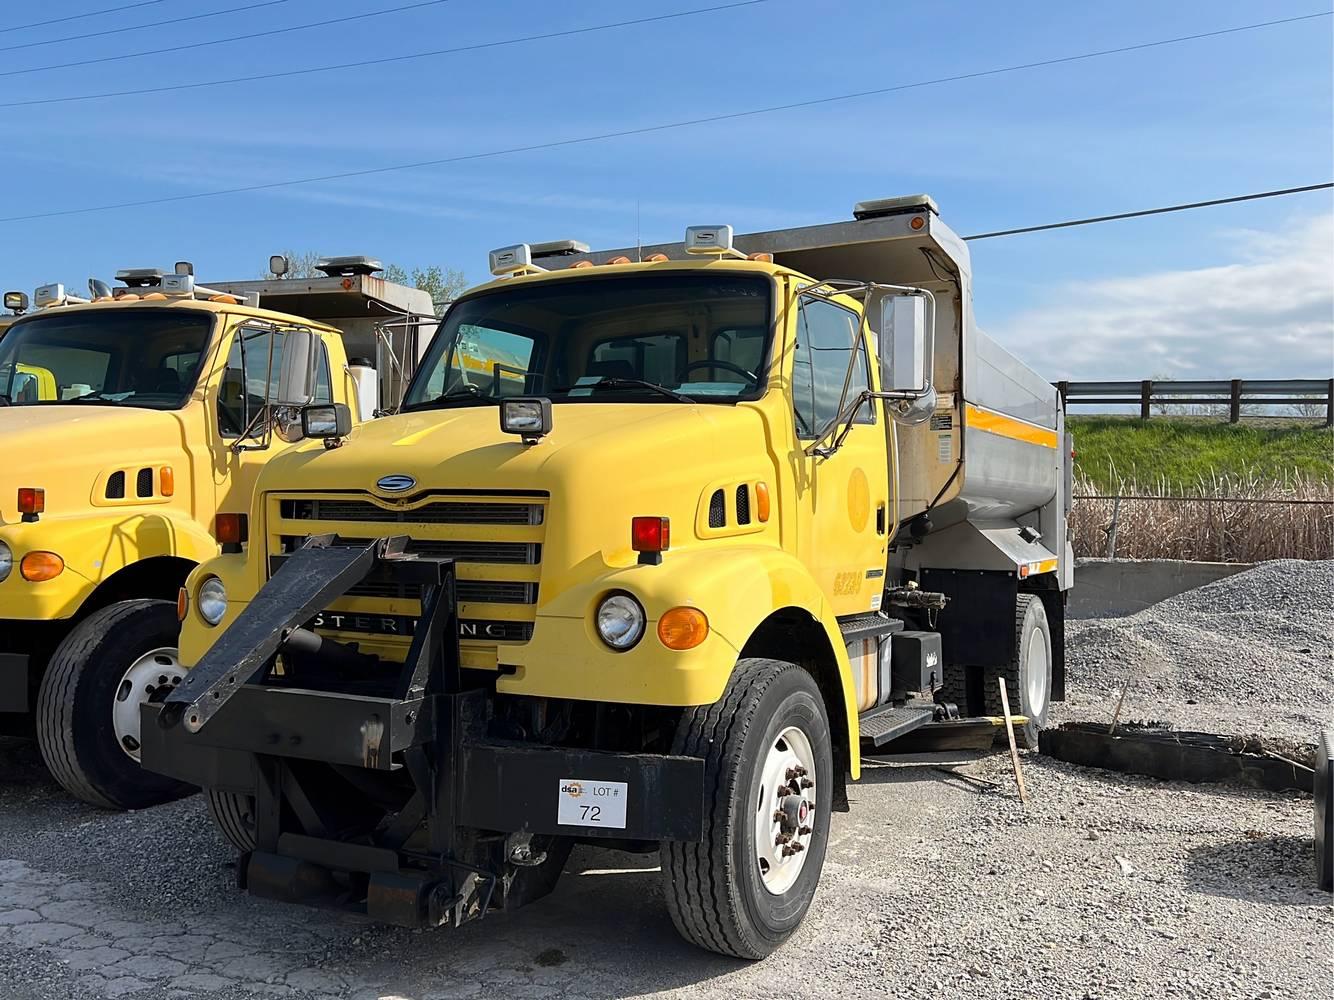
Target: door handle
880,519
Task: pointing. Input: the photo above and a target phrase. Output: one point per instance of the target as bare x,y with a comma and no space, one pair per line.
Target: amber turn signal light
182,604
762,501
166,478
38,566
683,628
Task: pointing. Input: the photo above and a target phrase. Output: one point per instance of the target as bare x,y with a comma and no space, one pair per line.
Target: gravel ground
1104,885
1247,654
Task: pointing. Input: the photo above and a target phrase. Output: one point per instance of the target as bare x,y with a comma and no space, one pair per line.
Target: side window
250,379
826,335
323,381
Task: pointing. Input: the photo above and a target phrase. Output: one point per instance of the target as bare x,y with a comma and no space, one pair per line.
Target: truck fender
753,595
95,549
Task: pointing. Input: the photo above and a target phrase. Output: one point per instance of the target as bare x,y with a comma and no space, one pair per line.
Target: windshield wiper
468,392
615,382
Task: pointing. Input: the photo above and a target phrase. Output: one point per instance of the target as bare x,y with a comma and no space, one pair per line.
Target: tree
443,284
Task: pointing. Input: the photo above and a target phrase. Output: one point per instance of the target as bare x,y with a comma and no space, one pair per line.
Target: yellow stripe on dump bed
1010,427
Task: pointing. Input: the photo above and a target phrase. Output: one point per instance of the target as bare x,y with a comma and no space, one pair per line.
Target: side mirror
904,349
296,374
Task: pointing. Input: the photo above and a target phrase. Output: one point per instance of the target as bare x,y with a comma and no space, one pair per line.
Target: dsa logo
573,789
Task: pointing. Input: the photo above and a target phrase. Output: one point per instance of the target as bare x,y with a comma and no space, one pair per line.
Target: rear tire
78,700
234,816
735,893
1027,675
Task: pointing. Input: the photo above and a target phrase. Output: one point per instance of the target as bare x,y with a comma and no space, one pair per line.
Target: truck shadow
1276,869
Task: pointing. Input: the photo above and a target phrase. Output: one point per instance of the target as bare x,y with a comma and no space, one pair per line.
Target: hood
65,449
601,464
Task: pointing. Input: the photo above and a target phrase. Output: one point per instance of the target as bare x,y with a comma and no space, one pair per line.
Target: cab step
880,725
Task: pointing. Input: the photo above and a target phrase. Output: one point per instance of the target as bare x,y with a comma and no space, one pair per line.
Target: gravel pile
1247,654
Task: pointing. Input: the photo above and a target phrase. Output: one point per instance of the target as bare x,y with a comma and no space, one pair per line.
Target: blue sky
1182,295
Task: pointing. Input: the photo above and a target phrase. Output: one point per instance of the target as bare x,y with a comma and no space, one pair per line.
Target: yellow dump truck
133,424
659,543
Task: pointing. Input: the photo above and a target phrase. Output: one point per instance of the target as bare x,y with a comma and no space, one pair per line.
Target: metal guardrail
1232,393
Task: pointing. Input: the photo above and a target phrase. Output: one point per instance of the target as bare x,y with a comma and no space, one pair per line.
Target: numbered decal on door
581,802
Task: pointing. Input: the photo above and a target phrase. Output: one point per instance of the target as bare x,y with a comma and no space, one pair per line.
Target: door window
250,380
827,334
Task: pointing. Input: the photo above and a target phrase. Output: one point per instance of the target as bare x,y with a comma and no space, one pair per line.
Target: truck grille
432,512
496,542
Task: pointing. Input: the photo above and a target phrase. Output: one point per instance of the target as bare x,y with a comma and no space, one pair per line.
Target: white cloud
1268,315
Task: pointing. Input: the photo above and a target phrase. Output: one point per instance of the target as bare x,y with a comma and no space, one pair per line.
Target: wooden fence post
1329,405
1145,394
1234,413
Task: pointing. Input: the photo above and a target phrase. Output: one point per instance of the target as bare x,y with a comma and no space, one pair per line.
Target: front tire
768,780
234,817
87,708
1027,675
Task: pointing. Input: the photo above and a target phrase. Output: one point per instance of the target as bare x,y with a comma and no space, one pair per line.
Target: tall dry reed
1221,519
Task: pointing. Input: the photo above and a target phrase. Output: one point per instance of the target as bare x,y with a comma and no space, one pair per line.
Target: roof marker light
517,259
711,240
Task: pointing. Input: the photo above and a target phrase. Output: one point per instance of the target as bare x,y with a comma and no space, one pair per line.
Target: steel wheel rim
150,677
785,810
1036,670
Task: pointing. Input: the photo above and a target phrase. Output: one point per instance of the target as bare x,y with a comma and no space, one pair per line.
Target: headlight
620,621
6,560
212,600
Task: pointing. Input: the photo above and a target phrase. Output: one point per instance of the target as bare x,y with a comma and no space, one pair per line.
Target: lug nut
796,848
793,772
805,831
807,783
779,815
781,839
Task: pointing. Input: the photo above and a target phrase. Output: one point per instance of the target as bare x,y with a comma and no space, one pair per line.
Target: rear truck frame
473,825
116,500
717,522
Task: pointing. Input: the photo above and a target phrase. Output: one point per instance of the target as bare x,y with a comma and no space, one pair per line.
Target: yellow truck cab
653,550
133,424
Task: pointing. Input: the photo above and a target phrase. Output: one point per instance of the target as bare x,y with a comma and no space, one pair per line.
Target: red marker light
32,500
231,529
650,534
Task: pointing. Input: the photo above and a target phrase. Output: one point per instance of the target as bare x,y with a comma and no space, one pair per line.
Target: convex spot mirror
904,352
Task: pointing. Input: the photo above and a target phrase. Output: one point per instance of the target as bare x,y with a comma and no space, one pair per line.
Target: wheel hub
150,678
785,810
1037,671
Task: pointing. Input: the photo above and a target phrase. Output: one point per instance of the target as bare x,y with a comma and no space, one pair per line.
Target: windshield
696,337
115,357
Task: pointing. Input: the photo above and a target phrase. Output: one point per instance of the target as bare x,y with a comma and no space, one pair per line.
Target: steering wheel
724,365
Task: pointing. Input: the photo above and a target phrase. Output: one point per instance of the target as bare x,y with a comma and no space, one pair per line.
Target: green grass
1180,451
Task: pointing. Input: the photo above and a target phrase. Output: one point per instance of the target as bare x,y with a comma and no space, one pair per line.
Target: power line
1152,211
103,32
75,17
248,36
361,64
624,133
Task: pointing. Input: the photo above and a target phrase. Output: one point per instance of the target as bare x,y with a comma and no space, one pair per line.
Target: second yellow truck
133,425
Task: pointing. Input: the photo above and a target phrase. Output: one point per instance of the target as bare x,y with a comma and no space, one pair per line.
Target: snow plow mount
378,788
